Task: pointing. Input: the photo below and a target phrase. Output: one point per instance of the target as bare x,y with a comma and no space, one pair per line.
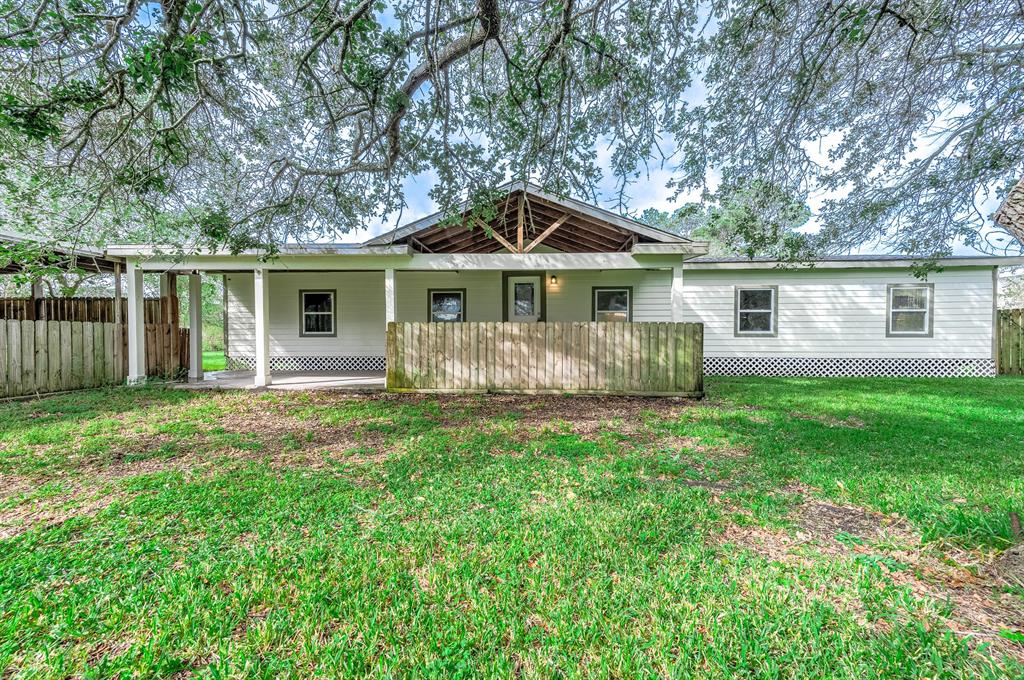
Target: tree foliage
241,122
751,220
908,111
263,120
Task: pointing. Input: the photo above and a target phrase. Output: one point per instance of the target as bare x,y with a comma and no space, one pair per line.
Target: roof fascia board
419,262
858,264
169,252
691,249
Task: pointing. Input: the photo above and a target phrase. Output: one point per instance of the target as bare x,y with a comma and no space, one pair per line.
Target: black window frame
333,292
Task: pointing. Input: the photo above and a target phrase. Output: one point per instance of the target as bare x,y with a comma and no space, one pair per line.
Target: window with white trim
613,304
756,309
317,312
910,309
448,305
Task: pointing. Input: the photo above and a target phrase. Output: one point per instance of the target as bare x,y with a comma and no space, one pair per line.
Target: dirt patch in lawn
971,582
53,510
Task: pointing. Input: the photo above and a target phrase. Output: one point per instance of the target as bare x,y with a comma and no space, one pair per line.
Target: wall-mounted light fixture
554,280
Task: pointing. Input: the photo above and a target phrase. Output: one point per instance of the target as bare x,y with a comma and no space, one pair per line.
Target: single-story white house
545,258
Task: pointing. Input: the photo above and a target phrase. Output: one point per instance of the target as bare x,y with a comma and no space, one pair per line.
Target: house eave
879,263
288,250
686,250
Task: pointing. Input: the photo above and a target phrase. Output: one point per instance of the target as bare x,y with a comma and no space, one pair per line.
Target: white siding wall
360,322
483,293
570,299
841,313
241,330
822,313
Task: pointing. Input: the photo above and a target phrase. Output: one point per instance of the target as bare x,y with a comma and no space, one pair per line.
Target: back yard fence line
37,357
1010,349
97,309
578,357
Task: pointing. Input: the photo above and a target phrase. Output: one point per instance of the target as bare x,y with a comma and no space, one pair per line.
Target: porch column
677,294
136,327
118,324
262,314
389,296
195,327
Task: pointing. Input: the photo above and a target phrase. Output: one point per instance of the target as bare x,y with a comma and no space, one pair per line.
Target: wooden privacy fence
595,358
167,350
80,309
1010,338
37,357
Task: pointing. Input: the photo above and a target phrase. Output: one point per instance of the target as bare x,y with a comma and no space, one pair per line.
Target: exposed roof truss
524,220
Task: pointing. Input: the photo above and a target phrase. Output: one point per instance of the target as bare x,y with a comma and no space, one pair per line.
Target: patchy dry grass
781,527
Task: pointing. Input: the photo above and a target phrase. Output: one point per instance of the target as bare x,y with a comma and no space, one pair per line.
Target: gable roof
562,223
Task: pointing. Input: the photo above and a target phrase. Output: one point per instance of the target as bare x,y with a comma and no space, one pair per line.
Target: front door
524,298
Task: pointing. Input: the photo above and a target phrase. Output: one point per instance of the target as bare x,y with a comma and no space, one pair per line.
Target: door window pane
524,304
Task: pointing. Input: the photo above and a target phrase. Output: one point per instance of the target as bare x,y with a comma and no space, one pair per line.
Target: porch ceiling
555,225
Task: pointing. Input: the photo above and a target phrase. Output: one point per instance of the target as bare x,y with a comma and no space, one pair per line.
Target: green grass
157,531
214,360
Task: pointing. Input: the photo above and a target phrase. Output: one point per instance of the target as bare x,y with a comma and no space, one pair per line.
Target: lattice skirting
766,366
312,364
842,367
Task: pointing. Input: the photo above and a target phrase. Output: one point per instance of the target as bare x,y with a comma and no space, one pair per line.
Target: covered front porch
327,309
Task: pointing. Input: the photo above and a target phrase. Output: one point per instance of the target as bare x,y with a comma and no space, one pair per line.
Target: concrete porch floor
291,380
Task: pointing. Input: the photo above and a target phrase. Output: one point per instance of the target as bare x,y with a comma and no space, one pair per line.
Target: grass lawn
214,361
794,527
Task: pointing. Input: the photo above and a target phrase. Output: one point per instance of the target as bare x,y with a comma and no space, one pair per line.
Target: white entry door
524,298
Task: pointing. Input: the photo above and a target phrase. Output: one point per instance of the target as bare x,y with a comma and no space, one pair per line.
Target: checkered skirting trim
842,367
312,364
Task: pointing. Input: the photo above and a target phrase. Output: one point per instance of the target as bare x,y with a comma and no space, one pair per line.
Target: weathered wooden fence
1010,339
37,357
99,309
598,358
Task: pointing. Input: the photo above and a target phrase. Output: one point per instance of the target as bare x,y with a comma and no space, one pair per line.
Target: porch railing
554,357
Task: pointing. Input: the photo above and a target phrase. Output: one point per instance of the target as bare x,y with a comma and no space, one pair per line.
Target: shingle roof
1010,215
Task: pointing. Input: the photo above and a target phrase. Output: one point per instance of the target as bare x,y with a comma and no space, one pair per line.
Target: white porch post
262,314
136,327
677,294
389,296
195,327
